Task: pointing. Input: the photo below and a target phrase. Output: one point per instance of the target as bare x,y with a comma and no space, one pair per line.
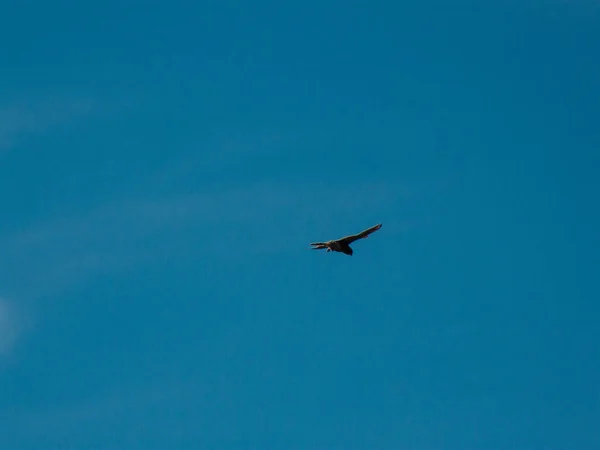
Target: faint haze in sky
164,166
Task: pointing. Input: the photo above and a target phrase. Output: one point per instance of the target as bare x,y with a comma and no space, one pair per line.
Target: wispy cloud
153,218
25,117
121,235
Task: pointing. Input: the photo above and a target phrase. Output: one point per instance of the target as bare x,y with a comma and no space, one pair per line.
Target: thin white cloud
24,117
267,217
151,219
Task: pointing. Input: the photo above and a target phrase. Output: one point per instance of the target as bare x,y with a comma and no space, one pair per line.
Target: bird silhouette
343,245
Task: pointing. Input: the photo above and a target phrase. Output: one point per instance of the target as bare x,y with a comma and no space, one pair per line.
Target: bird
342,245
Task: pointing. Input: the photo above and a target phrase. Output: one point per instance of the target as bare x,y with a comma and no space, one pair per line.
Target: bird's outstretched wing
361,235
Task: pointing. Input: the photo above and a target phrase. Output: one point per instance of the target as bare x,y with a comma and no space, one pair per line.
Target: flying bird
343,245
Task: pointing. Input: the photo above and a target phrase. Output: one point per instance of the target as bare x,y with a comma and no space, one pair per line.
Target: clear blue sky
163,168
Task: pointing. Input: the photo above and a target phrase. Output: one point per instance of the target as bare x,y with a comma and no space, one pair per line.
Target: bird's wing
361,235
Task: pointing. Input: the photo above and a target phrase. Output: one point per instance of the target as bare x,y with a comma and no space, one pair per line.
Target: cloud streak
24,117
21,118
117,236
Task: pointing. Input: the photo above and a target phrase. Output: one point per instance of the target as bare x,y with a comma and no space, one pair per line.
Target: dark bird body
343,245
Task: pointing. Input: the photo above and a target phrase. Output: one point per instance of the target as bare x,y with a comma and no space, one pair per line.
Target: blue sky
163,168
